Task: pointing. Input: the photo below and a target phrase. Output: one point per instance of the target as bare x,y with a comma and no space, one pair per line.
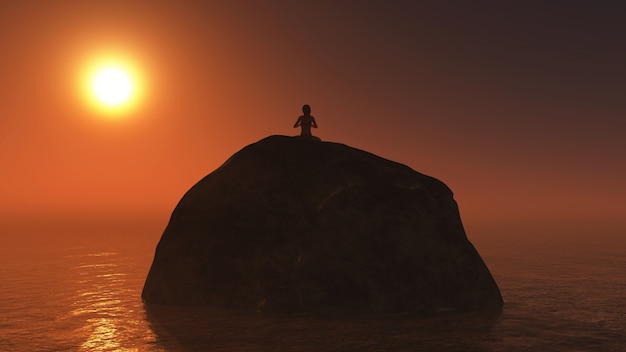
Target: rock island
297,225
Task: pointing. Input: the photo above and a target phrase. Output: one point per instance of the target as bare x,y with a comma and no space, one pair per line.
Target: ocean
79,289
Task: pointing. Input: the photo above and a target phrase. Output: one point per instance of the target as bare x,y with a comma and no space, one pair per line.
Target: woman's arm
314,123
298,122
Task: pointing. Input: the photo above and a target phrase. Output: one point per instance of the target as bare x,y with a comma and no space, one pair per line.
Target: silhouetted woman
306,121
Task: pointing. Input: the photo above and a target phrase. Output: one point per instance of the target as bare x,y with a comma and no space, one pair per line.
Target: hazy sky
518,106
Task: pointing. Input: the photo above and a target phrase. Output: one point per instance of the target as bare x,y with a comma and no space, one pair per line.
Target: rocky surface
302,226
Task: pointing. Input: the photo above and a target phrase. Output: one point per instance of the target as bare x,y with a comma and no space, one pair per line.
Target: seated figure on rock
306,121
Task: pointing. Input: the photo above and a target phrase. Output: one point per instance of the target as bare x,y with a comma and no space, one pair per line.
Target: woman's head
306,109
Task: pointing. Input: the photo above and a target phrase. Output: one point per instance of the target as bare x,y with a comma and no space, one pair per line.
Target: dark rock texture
303,226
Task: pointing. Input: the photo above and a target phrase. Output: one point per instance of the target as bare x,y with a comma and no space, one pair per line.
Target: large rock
295,225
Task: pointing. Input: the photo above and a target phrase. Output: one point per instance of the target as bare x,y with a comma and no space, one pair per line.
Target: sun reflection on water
103,337
102,300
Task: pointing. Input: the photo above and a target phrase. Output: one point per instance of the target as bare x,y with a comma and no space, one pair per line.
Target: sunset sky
519,108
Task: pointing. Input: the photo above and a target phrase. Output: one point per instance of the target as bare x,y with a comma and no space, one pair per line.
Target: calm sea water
79,290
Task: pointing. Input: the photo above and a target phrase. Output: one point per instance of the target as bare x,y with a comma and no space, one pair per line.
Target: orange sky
519,109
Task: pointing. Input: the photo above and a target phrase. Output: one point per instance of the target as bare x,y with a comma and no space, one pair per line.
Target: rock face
301,226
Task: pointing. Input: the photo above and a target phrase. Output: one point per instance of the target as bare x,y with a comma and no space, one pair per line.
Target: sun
112,86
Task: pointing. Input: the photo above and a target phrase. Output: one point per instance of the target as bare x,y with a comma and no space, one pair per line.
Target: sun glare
113,86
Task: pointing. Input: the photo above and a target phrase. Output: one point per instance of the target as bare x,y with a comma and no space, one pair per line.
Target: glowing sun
112,86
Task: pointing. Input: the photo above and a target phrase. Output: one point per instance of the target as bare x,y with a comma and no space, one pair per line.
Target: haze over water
75,288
